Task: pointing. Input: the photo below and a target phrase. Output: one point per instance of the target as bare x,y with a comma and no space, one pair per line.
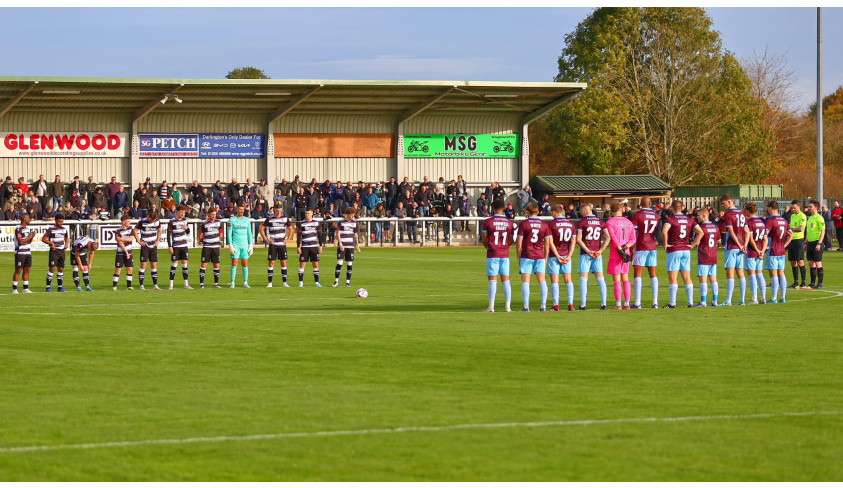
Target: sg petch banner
461,146
7,237
203,146
64,144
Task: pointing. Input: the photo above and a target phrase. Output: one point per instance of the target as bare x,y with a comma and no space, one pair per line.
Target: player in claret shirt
779,235
497,238
622,234
593,240
737,239
645,221
533,244
564,234
677,236
707,257
755,253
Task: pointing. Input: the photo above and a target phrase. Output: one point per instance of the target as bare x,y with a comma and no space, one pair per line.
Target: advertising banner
203,146
462,146
107,236
7,237
64,144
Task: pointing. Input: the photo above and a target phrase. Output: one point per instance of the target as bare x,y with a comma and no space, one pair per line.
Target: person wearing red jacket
837,218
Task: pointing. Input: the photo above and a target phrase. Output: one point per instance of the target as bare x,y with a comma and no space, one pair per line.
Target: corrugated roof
266,96
600,183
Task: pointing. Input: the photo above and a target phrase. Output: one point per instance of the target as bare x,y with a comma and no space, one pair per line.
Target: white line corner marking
399,430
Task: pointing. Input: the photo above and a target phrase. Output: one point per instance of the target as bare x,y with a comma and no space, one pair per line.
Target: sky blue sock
493,289
654,284
525,294
543,291
507,291
774,285
753,287
743,289
570,287
730,289
689,292
715,289
554,293
601,283
637,283
703,292
782,285
762,286
672,290
583,290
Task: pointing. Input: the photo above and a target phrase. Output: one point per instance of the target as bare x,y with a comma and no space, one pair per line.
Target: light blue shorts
239,253
645,258
775,262
554,267
588,264
679,261
754,264
497,266
733,258
706,270
527,266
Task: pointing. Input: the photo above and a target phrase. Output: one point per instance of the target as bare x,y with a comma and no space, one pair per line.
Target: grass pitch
330,374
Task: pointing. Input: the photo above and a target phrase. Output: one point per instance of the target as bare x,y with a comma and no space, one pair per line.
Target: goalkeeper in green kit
238,234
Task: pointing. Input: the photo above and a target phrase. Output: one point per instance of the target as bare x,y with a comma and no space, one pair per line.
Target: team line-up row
752,245
276,230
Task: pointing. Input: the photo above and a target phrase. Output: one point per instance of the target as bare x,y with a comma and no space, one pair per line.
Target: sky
488,44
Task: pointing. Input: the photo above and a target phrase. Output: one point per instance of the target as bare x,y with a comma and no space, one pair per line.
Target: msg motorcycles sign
203,146
461,146
64,144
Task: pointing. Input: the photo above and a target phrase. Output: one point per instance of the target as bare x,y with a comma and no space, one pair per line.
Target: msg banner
461,146
203,146
64,144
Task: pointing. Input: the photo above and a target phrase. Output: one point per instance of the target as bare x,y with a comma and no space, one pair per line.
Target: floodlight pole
820,105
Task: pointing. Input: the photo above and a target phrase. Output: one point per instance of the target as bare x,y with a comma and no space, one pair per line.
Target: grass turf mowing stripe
400,430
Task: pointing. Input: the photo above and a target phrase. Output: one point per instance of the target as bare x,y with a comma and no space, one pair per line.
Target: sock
583,290
802,273
184,273
172,273
654,283
618,288
86,278
348,271
762,286
201,276
114,279
245,271
753,287
820,274
284,274
715,290
742,282
638,281
269,272
627,291
782,285
730,289
60,278
129,280
493,289
689,292
14,285
672,290
233,273
141,275
49,279
601,285
301,275
703,292
554,293
76,276
507,292
543,293
25,285
216,276
525,294
813,276
795,270
316,275
155,277
774,287
337,271
570,289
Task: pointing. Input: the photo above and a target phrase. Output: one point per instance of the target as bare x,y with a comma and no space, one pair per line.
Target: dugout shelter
601,190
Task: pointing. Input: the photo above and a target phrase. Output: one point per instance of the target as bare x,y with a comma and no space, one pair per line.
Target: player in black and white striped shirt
209,236
124,258
82,257
309,244
276,231
347,243
148,235
23,254
58,238
178,238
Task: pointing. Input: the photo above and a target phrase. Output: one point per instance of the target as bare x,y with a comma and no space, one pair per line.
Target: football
362,293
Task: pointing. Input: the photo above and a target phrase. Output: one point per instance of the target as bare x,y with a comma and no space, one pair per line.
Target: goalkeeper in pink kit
622,236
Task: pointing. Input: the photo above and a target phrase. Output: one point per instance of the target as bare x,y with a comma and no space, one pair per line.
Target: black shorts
347,255
23,261
309,254
124,261
795,251
179,254
211,255
277,253
57,258
813,254
73,261
148,254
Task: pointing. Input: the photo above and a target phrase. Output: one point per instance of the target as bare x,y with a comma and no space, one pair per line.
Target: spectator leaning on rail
233,191
120,201
370,201
111,190
524,195
56,191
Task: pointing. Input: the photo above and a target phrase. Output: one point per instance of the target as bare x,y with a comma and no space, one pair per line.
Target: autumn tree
246,73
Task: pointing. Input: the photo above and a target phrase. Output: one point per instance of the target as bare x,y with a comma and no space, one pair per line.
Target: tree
663,98
246,73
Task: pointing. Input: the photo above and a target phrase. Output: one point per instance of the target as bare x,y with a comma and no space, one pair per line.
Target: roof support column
271,174
400,163
134,164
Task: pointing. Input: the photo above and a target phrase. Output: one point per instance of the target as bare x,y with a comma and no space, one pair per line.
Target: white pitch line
401,430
